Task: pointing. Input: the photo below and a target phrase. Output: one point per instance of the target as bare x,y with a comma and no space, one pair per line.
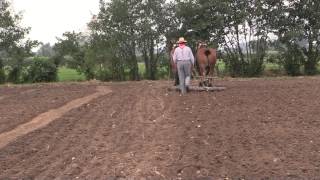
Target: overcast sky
48,19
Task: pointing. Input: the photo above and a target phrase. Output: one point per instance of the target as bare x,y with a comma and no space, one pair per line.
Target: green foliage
89,63
104,74
245,68
69,46
14,47
40,69
115,29
15,75
152,23
73,51
221,69
288,55
292,60
238,27
127,32
142,69
163,68
233,65
298,25
10,31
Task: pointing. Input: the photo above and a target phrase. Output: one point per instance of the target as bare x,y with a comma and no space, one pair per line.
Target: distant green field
66,74
142,69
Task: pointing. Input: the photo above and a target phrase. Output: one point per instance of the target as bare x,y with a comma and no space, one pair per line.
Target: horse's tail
207,53
197,66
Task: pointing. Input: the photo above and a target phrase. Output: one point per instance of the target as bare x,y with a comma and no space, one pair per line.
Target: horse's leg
176,77
174,71
207,83
205,80
202,74
201,81
211,75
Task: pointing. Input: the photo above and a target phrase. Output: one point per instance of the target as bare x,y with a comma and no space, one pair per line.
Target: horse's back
212,56
205,54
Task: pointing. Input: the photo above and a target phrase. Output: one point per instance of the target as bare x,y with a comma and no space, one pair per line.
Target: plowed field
255,129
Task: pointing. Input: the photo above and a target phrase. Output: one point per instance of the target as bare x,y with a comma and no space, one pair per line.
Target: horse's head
201,44
171,44
175,45
173,48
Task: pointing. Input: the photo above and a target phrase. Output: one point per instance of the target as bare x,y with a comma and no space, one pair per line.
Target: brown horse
206,59
174,69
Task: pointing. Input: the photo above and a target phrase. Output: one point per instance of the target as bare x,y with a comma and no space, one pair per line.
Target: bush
104,74
14,75
163,73
255,67
310,67
247,68
292,60
41,70
163,68
232,65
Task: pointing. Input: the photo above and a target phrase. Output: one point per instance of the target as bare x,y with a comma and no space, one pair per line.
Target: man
184,59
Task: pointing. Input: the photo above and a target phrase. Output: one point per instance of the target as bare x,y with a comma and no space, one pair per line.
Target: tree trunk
134,72
134,69
153,68
146,63
2,74
240,51
310,65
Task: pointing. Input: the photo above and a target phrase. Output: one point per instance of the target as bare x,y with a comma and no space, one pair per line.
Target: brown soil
45,118
19,104
255,129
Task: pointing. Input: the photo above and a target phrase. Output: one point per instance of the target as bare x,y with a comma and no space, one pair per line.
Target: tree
296,23
151,23
13,46
198,20
104,52
304,17
17,56
46,50
71,50
116,25
240,28
246,35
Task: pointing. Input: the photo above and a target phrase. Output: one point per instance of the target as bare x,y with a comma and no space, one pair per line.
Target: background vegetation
130,40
